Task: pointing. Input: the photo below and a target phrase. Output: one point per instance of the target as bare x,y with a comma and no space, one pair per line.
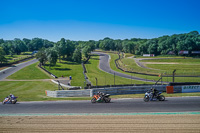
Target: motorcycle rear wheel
162,98
107,100
93,100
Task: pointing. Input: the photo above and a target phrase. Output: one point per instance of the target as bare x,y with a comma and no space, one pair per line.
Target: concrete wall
68,93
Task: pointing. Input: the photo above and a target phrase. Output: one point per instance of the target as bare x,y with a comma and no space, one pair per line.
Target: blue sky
96,19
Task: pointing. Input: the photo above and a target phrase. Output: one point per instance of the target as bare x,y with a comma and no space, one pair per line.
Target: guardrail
122,90
68,93
128,90
111,91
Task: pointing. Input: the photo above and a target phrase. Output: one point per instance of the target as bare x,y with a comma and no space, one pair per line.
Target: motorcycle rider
101,94
154,91
11,96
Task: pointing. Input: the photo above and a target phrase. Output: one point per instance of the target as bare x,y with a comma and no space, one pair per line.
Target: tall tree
42,56
77,56
2,55
52,56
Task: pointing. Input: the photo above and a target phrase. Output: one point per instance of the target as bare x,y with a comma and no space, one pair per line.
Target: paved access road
179,104
104,65
10,70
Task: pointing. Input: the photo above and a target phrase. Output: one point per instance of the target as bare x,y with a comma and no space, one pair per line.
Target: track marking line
103,114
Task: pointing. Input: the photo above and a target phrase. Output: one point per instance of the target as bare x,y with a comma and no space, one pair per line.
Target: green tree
27,43
86,50
52,56
2,55
41,56
36,44
77,56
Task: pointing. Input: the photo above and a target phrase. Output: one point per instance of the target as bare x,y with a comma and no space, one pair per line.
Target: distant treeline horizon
158,46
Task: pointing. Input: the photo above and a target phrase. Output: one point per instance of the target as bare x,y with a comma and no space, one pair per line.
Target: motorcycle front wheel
93,100
146,98
15,102
162,98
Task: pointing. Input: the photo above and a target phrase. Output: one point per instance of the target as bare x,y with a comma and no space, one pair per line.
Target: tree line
158,46
77,50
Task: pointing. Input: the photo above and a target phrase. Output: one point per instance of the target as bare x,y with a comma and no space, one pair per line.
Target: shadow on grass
62,69
71,63
47,65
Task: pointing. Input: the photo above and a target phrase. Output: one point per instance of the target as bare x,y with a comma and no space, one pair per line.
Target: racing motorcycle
9,101
149,96
101,98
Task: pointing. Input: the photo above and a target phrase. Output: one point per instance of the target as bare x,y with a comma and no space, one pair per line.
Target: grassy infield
183,67
35,90
17,57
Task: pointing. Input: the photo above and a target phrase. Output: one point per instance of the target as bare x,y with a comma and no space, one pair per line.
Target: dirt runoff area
95,124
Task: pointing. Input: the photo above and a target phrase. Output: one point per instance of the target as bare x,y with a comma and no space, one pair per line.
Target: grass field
68,68
183,66
29,73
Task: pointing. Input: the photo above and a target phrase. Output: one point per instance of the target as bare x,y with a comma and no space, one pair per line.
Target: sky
96,19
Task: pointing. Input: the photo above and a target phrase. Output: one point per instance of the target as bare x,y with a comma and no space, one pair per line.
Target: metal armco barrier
111,91
114,91
128,90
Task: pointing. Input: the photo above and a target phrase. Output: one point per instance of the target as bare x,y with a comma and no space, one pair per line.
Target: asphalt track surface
104,65
10,70
137,105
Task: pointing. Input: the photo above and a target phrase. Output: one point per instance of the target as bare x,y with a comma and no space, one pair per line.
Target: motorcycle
105,98
149,96
10,101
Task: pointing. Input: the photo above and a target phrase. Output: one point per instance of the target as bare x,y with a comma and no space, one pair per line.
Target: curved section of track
104,65
180,104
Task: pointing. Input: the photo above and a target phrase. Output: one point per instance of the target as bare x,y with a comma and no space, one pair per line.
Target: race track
10,70
104,65
179,104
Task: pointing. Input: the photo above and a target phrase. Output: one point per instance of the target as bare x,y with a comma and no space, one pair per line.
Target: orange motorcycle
101,98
